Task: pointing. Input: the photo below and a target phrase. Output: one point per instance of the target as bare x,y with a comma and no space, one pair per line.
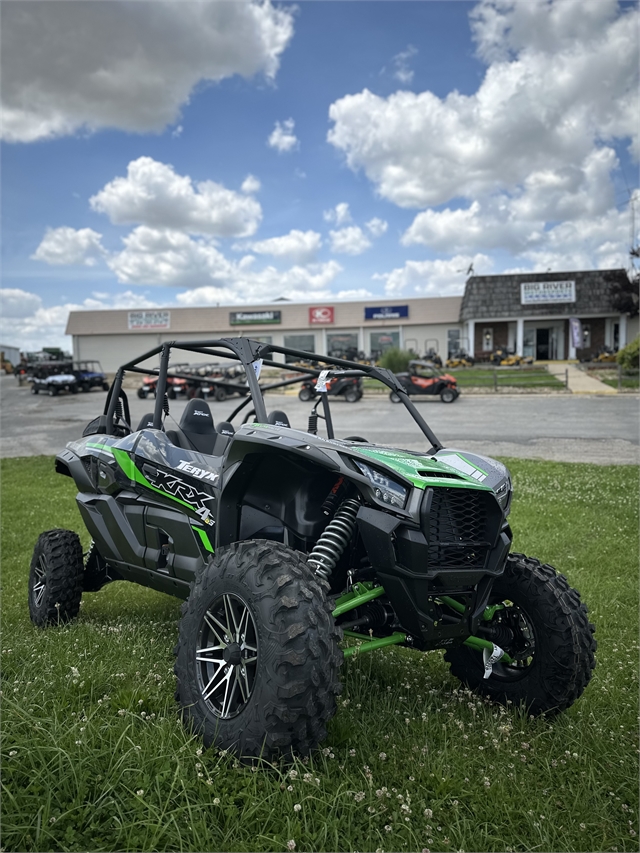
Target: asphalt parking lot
604,430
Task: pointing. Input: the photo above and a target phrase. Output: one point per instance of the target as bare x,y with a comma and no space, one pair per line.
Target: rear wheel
53,390
394,397
543,626
219,394
55,578
448,395
257,658
171,392
142,393
351,395
305,394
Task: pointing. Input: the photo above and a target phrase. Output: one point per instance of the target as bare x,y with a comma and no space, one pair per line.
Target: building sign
142,321
386,312
250,318
321,315
547,292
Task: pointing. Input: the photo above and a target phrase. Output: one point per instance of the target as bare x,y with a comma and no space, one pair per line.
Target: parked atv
424,377
350,388
89,374
54,384
284,543
175,385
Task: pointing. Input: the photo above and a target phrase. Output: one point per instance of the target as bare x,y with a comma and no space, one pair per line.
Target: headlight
503,494
385,489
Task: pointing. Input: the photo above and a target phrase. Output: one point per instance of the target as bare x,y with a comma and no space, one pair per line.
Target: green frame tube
365,591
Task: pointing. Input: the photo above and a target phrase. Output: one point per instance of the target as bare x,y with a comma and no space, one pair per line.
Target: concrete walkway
579,381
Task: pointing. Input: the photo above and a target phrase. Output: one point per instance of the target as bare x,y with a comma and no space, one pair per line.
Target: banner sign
546,292
141,321
321,315
576,332
386,312
249,318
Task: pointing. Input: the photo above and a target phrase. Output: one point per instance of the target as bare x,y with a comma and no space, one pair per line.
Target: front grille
458,529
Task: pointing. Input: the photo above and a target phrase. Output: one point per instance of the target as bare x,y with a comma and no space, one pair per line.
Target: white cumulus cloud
349,241
282,137
376,227
434,278
547,107
297,246
132,66
153,194
338,215
251,184
70,246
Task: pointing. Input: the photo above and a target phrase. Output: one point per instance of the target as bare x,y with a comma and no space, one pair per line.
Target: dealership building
546,315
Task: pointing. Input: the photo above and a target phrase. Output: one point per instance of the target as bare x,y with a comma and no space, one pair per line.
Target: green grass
94,757
484,377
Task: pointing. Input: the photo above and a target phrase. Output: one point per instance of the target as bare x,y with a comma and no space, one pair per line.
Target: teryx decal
177,488
199,473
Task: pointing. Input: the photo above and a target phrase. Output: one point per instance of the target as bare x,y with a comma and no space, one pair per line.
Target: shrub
627,358
396,359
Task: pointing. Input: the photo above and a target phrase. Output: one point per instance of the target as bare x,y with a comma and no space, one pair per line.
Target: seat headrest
225,428
278,418
197,418
146,421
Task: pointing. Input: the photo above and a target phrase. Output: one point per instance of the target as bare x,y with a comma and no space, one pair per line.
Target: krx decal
177,488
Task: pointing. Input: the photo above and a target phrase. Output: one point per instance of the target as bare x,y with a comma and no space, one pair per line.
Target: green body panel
425,471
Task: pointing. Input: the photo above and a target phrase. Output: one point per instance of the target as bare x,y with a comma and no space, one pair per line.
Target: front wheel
257,658
448,395
55,578
352,395
394,397
142,393
53,390
544,627
219,394
305,394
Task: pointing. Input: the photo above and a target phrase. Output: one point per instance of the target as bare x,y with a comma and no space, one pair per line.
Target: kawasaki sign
250,318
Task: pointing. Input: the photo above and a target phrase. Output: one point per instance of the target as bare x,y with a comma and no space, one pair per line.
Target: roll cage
252,355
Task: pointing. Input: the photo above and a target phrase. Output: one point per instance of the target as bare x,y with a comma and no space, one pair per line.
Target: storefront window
381,341
529,343
303,342
453,342
343,345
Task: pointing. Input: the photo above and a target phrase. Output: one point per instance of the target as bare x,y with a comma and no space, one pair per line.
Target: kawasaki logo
199,473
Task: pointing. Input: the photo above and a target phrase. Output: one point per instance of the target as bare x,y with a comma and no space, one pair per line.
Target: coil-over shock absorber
335,538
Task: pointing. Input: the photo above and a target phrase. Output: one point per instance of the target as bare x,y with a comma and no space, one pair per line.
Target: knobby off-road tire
559,663
291,657
448,395
55,578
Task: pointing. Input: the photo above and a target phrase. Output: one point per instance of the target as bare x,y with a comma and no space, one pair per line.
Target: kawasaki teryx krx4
285,543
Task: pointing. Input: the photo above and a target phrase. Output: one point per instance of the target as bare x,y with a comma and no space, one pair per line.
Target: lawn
490,378
94,757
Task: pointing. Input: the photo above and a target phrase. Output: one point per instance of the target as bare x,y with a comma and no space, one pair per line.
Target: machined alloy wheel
257,659
55,578
541,623
227,655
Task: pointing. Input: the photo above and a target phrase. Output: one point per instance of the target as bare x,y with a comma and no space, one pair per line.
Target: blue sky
235,152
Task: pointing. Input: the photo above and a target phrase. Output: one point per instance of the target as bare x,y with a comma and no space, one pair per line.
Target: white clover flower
291,844
140,792
359,797
297,807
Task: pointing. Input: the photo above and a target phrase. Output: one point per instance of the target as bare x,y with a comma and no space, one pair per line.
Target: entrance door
542,345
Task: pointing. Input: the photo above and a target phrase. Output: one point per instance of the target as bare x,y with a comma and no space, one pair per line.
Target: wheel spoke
231,616
249,660
213,684
229,675
200,654
220,637
243,625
